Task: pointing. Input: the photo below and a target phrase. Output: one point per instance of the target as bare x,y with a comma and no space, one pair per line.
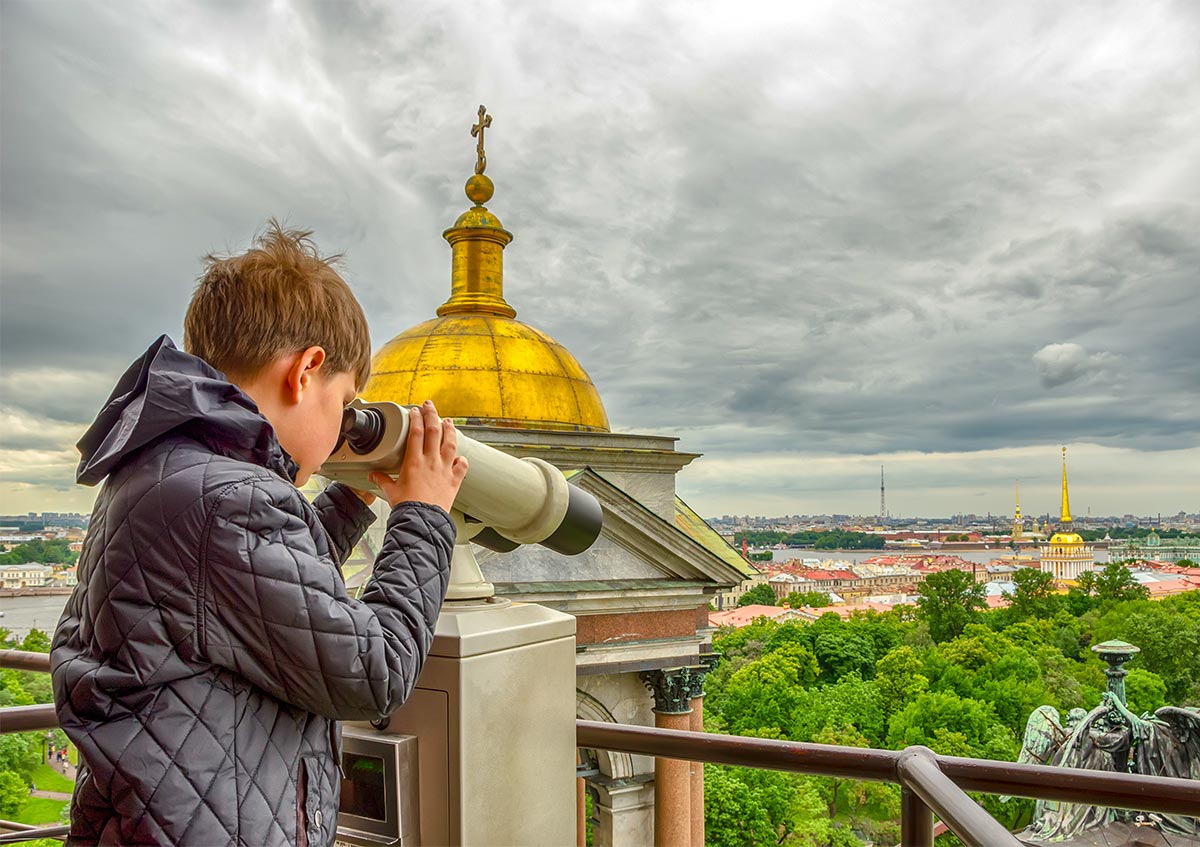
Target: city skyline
947,238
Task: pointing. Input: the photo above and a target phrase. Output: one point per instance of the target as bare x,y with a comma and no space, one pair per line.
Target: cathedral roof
475,360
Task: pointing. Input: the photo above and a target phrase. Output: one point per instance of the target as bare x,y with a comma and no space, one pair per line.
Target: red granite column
696,677
672,778
697,804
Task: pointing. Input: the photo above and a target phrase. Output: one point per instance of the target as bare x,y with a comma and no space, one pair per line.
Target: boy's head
285,328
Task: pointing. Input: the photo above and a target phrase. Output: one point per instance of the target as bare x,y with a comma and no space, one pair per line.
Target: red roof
1164,587
744,616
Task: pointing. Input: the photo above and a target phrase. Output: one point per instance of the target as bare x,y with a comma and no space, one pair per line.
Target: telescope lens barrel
362,429
580,526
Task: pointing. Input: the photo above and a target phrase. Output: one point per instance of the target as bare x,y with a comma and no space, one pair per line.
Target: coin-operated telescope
503,502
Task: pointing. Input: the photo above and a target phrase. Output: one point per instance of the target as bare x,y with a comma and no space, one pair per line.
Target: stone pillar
580,808
672,778
624,812
708,661
696,693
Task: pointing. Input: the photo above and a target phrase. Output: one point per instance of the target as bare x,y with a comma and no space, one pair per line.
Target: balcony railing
929,784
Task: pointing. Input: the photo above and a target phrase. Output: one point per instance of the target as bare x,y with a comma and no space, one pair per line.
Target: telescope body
523,501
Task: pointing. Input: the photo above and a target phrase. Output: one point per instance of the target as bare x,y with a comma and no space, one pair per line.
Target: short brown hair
279,297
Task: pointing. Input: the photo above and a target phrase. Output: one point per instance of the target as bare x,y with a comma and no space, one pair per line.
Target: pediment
634,545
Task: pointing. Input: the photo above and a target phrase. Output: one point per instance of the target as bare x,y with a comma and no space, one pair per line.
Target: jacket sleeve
276,612
345,518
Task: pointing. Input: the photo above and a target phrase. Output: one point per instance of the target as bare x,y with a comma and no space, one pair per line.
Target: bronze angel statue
1110,738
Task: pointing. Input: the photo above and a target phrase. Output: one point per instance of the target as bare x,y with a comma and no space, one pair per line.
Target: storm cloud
938,235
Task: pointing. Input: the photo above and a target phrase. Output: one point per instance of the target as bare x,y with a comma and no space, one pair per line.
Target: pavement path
51,795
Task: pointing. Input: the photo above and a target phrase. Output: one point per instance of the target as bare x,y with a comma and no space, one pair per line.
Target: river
22,614
980,556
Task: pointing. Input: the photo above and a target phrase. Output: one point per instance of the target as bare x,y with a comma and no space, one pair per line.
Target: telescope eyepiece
362,429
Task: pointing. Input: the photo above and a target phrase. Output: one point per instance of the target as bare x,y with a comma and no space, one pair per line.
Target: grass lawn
47,778
41,810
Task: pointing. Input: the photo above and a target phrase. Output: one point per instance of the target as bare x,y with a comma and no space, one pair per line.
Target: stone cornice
601,450
591,599
645,534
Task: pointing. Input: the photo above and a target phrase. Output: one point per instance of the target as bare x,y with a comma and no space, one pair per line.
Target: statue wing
1044,734
1173,747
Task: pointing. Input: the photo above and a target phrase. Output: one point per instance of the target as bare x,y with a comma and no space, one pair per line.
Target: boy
210,649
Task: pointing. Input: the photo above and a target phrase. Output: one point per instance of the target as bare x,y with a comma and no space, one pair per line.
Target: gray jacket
210,649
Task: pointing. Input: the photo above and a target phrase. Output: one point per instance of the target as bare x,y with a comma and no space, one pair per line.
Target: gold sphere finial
480,189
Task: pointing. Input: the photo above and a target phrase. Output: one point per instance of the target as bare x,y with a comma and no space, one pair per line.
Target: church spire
1018,527
1066,508
478,240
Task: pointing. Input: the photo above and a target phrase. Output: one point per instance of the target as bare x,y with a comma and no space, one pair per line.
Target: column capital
671,688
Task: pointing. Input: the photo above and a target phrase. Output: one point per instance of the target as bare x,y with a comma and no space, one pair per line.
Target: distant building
728,599
1153,547
1065,556
29,575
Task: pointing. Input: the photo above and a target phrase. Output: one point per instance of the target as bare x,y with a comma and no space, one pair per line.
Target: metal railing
929,784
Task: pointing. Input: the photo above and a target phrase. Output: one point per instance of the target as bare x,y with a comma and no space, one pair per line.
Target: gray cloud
1058,364
854,231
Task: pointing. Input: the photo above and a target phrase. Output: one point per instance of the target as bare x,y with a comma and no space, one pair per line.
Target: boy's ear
301,371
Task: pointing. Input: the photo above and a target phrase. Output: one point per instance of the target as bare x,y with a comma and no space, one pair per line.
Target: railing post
916,820
917,771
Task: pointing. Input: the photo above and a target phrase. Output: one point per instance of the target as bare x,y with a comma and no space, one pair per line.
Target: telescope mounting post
466,579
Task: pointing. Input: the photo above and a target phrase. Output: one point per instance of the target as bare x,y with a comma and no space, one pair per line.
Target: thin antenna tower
882,501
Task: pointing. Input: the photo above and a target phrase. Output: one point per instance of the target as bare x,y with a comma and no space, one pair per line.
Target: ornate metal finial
1116,654
485,120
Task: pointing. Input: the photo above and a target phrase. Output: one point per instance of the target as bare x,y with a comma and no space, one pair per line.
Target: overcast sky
942,236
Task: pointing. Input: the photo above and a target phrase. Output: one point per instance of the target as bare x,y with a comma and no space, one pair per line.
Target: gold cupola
476,362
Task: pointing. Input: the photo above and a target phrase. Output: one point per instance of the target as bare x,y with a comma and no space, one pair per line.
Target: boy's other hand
366,496
430,472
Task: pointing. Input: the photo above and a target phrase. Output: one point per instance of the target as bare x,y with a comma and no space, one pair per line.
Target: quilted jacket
210,648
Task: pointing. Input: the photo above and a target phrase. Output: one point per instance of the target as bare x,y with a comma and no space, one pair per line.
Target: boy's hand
430,473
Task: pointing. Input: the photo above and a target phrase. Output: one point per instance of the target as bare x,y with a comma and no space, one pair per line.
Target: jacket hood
167,390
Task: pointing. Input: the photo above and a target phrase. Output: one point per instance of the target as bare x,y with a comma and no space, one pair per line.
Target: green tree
1116,583
953,726
899,678
55,552
844,650
948,601
1145,691
762,696
733,814
1034,596
14,794
812,599
760,595
1168,634
851,703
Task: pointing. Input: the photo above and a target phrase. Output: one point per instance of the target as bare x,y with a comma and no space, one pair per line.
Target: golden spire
478,240
1066,508
1018,500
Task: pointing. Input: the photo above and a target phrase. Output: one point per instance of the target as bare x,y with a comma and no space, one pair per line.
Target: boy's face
313,428
304,403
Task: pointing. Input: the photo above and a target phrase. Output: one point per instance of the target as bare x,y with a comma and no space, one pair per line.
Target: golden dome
487,369
1066,538
475,361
